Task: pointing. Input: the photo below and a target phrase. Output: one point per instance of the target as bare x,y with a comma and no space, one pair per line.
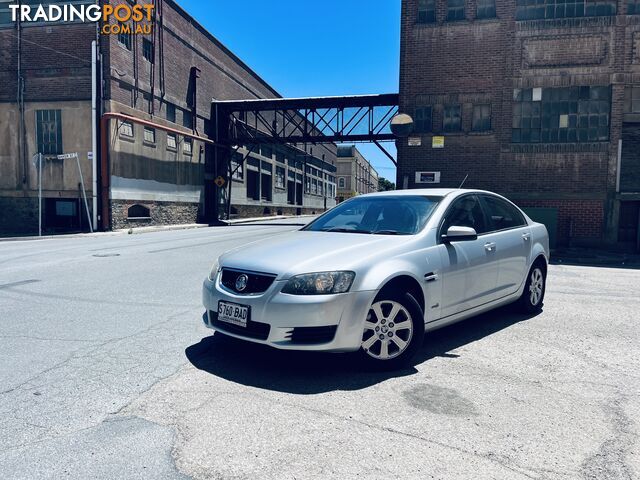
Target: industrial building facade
154,171
355,175
536,100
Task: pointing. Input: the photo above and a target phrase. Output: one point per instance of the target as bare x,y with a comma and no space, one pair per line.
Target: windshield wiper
344,230
388,232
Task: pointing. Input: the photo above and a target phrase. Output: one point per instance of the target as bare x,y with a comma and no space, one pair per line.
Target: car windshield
378,215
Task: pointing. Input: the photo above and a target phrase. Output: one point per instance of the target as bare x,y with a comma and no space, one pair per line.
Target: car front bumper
289,316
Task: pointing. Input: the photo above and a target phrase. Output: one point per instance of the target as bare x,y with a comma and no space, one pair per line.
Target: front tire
393,332
532,298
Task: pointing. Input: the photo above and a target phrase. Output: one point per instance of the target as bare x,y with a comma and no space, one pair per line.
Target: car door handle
490,247
526,236
430,277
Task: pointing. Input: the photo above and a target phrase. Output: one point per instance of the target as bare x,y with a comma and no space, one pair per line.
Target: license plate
233,313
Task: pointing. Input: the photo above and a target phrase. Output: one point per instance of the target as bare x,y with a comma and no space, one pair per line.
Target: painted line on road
172,240
216,241
17,284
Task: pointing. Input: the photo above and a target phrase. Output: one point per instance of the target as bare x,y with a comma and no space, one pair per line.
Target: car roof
431,192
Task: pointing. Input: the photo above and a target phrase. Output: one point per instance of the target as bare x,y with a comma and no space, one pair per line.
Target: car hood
307,251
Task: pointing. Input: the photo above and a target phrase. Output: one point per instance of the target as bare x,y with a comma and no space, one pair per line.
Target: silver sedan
377,271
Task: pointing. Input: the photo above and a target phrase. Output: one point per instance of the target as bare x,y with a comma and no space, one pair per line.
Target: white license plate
233,313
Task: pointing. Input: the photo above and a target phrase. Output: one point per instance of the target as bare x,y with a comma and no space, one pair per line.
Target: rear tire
532,298
393,332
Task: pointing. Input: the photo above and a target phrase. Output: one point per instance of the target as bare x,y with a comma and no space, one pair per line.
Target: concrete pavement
106,371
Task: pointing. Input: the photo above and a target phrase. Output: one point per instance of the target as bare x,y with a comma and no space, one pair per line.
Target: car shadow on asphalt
307,373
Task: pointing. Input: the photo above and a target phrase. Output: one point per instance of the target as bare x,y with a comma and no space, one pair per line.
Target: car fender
414,265
376,277
539,243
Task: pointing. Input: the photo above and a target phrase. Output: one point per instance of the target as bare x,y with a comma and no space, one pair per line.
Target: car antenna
465,179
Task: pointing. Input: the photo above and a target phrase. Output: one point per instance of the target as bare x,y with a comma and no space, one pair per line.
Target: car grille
256,330
312,335
256,282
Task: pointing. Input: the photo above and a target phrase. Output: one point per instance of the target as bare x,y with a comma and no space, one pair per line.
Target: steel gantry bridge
291,121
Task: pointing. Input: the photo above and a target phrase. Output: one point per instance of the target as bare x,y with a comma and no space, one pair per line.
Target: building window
237,169
172,141
126,129
486,9
266,192
452,121
147,50
342,183
171,112
481,121
426,11
455,10
149,135
266,151
422,119
5,15
49,131
561,115
253,185
279,177
547,9
124,36
632,100
187,146
187,119
633,7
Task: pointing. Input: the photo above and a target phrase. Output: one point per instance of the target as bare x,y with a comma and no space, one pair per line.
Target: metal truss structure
363,118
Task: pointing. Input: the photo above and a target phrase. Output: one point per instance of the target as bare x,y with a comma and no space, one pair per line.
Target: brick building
155,171
355,175
536,100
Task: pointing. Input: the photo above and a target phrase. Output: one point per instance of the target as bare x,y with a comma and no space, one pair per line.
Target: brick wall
56,62
482,61
577,219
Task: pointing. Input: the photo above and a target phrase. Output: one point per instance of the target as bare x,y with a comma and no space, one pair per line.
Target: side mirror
459,234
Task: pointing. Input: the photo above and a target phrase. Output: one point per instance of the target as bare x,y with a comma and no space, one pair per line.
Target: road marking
17,284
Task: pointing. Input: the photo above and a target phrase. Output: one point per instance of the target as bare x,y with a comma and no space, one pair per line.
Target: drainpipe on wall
22,154
94,132
105,175
619,166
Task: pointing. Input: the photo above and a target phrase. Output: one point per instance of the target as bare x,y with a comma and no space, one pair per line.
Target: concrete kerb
157,228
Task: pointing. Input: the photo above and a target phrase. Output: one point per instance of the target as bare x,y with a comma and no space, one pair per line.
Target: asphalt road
106,371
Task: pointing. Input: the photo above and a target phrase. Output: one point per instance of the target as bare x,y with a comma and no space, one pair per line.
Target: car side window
503,215
466,212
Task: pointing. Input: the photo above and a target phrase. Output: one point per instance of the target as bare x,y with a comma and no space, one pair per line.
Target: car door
469,268
512,237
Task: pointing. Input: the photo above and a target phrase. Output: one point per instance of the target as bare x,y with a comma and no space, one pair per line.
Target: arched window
342,182
138,211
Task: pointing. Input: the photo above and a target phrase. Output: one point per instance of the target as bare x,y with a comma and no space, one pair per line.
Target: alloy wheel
387,330
536,285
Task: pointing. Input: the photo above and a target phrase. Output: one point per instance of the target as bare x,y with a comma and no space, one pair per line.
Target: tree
385,185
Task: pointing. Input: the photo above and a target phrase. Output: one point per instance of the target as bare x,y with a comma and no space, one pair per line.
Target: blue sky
331,47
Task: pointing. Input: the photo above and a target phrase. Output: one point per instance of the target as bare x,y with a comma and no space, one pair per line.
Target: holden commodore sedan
377,271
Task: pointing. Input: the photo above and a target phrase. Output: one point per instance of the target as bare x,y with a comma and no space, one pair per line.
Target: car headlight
214,271
321,283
